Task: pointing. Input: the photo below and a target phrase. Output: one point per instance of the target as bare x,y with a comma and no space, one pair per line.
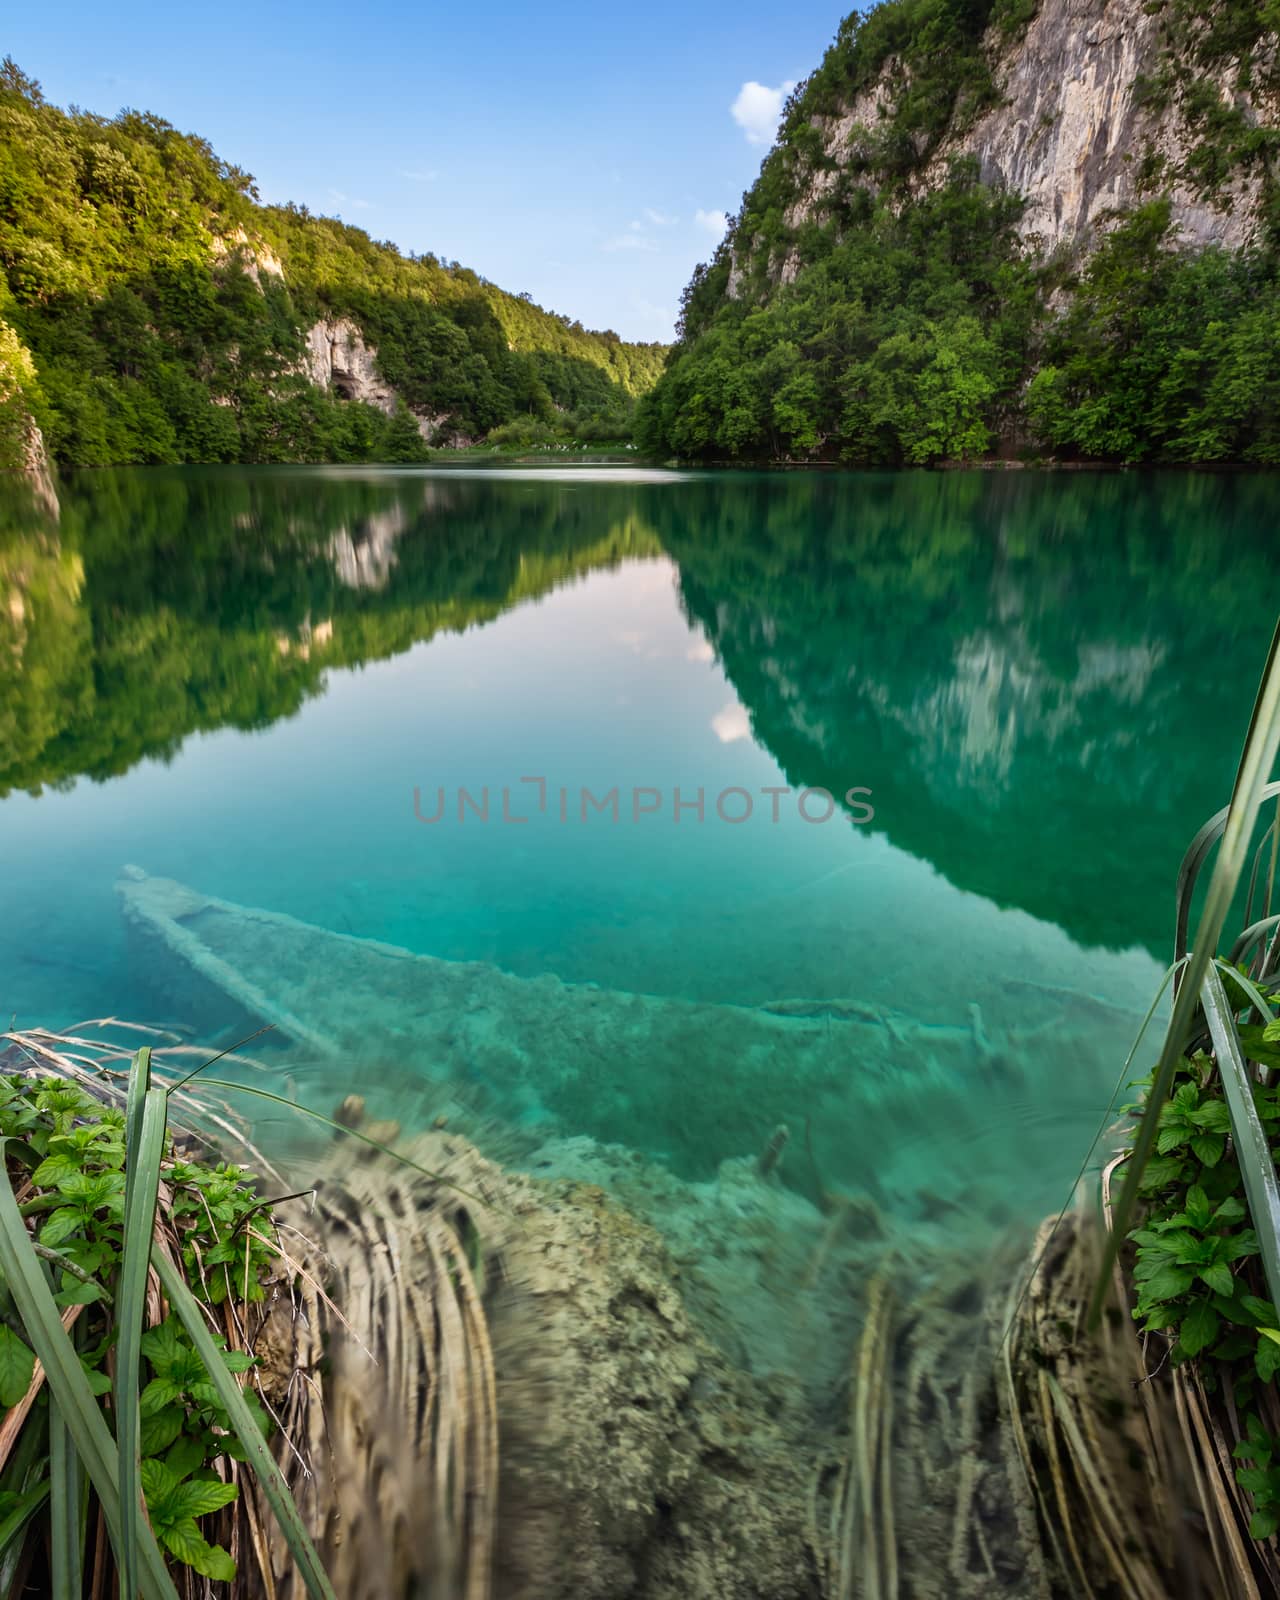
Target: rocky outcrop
1072,129
22,443
256,258
336,357
565,1374
1077,128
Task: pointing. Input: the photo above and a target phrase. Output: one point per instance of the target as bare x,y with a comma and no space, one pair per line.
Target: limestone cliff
22,445
257,259
1087,109
338,358
1027,229
1079,131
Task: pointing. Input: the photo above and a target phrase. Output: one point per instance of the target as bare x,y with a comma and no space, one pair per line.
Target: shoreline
472,457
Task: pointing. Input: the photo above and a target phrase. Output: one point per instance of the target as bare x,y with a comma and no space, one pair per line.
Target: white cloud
660,219
731,724
757,109
419,177
340,199
715,222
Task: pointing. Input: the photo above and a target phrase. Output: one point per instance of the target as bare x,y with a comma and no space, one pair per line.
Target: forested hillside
997,226
152,311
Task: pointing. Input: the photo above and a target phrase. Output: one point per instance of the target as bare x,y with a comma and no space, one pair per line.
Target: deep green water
238,678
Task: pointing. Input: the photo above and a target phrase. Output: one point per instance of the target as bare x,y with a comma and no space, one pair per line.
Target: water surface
239,678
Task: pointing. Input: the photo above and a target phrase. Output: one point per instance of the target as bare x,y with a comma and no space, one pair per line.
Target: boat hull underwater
918,1115
689,1081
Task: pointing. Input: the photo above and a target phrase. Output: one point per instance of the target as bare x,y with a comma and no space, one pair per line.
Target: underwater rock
759,1274
631,1459
610,1442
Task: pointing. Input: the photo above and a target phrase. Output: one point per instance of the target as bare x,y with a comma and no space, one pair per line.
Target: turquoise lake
1036,683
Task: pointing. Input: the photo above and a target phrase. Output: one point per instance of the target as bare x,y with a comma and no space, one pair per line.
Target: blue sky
579,152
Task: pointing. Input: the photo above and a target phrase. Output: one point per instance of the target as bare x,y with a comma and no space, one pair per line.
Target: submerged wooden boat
694,1080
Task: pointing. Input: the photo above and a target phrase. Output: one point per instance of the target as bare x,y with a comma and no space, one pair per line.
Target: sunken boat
690,1081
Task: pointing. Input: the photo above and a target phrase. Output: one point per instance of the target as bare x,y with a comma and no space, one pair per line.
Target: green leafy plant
1262,1479
79,1235
1201,1181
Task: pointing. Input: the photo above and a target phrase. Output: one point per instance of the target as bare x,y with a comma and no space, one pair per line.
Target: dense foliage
166,310
863,310
899,344
1196,1274
1164,355
66,1159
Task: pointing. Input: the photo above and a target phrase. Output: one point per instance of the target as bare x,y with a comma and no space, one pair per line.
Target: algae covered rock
631,1457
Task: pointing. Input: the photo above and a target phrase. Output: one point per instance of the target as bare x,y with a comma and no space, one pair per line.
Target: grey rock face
1071,131
1069,134
338,358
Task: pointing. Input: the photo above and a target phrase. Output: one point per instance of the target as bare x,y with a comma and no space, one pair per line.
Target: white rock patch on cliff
337,358
258,259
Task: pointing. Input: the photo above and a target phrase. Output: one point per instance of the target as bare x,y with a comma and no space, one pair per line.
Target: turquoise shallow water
238,679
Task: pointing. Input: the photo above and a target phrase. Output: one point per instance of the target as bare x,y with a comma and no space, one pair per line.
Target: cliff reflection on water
1048,676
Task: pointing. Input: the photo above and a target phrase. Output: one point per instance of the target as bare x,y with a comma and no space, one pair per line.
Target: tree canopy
155,312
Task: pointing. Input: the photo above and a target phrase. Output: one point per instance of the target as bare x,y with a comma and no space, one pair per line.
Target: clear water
237,679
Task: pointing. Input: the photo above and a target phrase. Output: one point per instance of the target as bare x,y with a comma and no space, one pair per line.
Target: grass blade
1268,839
1189,870
1262,713
196,1071
14,1523
66,1512
145,1121
139,1083
1236,828
27,1472
1121,1081
1257,1000
67,1383
259,1457
1253,1152
1251,935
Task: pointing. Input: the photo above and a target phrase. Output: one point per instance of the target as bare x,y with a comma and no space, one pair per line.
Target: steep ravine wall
1076,131
1072,131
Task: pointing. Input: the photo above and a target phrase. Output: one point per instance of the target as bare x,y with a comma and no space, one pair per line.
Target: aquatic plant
1196,1228
127,1267
364,1345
